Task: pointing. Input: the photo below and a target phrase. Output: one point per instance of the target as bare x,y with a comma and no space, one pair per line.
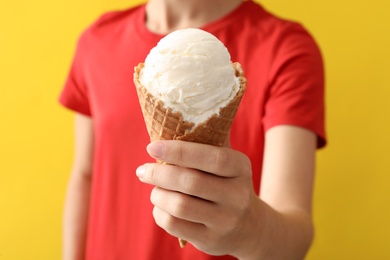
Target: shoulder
116,18
109,24
269,41
284,39
273,27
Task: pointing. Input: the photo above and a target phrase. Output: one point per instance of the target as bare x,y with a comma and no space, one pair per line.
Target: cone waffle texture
164,124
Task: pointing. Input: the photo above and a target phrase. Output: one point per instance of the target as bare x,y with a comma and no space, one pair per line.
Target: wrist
252,243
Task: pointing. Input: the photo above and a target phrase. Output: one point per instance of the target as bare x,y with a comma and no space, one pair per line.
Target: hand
204,194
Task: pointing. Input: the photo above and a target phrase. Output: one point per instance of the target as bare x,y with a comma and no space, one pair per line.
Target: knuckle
190,183
246,165
155,214
154,196
180,206
168,223
160,220
220,158
176,152
163,220
157,217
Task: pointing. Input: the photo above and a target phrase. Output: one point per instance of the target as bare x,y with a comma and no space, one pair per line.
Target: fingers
189,231
184,180
201,222
196,196
205,224
220,161
183,207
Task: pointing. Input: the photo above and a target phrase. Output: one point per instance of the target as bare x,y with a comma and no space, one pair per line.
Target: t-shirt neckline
213,26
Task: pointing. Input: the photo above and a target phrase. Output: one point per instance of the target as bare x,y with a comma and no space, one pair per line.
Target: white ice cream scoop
191,72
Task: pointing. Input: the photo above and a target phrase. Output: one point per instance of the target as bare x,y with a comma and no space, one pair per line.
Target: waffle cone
164,124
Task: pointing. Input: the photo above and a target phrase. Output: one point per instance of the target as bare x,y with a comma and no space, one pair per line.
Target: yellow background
352,193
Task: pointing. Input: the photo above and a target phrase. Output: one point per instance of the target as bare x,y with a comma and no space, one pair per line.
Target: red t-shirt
284,69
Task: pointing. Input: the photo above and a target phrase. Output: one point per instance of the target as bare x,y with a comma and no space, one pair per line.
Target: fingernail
156,149
140,171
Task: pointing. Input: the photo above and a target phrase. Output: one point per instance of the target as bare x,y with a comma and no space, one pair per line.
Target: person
251,199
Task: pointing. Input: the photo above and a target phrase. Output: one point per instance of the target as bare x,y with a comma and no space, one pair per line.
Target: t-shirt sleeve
75,94
296,94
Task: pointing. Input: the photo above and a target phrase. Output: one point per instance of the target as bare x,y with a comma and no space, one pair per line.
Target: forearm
76,217
281,218
270,234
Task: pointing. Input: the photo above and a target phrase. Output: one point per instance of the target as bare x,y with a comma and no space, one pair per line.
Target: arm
78,191
286,187
223,215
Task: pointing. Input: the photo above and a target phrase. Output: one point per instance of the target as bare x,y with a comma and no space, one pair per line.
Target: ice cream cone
164,124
